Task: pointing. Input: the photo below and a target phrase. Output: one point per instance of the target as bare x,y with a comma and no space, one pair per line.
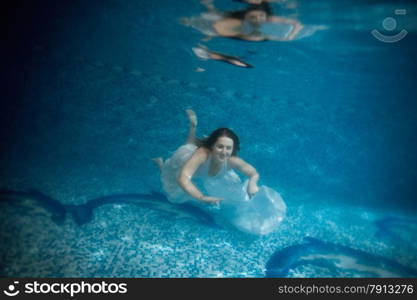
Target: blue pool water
94,89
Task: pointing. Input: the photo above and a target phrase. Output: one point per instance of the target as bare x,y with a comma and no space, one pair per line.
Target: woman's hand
249,171
213,200
252,189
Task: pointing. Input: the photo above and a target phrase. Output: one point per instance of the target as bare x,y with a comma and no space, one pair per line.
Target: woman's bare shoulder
201,153
196,160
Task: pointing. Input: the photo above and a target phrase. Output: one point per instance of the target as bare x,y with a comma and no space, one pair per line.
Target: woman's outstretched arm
297,26
187,172
249,171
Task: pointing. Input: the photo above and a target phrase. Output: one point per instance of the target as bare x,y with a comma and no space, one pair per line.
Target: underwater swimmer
207,158
202,173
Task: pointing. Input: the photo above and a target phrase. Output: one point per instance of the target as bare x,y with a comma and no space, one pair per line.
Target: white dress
258,215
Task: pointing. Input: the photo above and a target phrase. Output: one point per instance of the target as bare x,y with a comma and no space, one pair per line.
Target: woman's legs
192,119
191,138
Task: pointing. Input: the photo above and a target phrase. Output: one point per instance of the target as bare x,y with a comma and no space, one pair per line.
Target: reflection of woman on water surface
248,24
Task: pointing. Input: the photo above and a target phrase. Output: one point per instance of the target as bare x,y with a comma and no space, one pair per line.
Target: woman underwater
208,165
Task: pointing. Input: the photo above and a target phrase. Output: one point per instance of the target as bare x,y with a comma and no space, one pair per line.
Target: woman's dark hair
211,140
240,14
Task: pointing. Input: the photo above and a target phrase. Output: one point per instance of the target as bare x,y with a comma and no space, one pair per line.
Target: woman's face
222,149
256,16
